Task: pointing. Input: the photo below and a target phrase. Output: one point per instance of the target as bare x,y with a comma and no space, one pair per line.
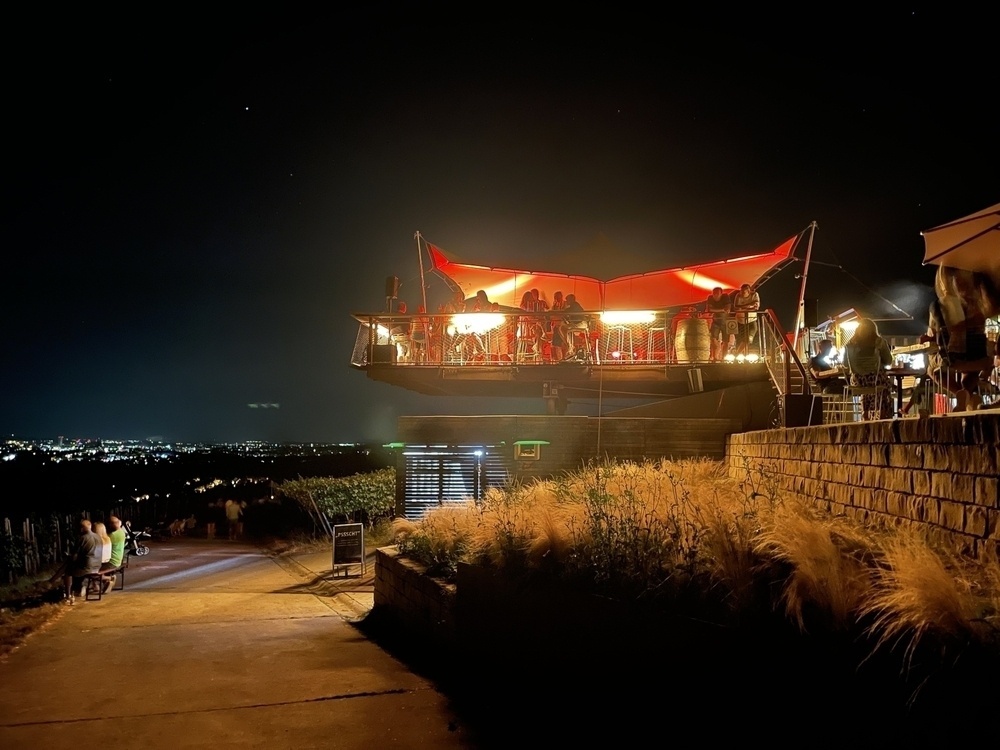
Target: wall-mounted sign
528,450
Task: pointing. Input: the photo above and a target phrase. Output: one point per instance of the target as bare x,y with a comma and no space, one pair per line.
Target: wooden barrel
692,340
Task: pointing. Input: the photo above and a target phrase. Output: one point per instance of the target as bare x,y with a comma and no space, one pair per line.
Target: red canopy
672,287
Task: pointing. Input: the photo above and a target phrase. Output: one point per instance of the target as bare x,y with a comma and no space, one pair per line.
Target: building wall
573,440
938,473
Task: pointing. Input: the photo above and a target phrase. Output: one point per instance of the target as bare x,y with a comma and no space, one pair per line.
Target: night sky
194,207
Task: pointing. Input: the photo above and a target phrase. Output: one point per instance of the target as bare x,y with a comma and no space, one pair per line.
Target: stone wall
423,605
938,473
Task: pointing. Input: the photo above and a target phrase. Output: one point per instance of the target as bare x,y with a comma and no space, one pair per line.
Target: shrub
921,592
365,497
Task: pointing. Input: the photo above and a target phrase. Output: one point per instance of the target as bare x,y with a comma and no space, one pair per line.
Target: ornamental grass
670,531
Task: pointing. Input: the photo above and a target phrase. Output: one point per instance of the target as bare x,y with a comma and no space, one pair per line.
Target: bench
93,583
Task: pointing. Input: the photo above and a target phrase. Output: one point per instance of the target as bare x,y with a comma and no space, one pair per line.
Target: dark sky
194,207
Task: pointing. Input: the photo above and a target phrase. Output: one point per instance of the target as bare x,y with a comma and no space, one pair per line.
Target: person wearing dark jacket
86,559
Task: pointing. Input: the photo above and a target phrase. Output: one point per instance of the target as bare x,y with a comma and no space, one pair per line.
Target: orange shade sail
673,287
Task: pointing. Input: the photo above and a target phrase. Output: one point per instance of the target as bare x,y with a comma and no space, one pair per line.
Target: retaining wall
423,605
937,473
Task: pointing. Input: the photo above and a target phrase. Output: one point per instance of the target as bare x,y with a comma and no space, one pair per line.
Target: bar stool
651,335
618,336
579,335
524,350
838,407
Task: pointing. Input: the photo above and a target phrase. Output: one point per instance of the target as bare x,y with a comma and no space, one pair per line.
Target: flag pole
800,316
420,262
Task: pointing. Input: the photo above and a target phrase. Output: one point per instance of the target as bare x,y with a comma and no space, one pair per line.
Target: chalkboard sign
349,545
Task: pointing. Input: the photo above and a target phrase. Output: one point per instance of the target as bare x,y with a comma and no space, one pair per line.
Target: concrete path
214,644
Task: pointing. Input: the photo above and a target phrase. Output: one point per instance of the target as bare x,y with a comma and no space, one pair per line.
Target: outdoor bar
669,335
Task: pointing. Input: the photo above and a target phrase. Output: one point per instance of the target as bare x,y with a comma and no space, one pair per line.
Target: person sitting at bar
826,373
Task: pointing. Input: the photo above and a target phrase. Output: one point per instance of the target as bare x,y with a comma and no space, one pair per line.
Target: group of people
546,331
734,325
421,337
552,325
961,363
98,549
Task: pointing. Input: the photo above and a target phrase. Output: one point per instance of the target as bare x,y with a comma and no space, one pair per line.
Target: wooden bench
93,583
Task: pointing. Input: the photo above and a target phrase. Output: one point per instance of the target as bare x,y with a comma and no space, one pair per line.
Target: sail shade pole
800,316
420,262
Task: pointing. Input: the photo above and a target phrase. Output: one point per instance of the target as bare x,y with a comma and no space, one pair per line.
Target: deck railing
623,338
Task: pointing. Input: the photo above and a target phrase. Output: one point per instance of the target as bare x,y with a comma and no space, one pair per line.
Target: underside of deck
574,380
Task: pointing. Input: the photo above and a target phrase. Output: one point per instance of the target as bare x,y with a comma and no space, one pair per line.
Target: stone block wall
424,605
938,473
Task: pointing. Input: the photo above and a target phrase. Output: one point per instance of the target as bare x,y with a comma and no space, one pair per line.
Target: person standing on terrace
419,335
399,333
746,303
456,304
866,356
555,327
502,343
719,305
481,303
575,321
529,327
965,351
540,304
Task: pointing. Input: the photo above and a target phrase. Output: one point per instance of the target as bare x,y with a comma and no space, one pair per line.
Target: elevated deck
652,355
574,380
